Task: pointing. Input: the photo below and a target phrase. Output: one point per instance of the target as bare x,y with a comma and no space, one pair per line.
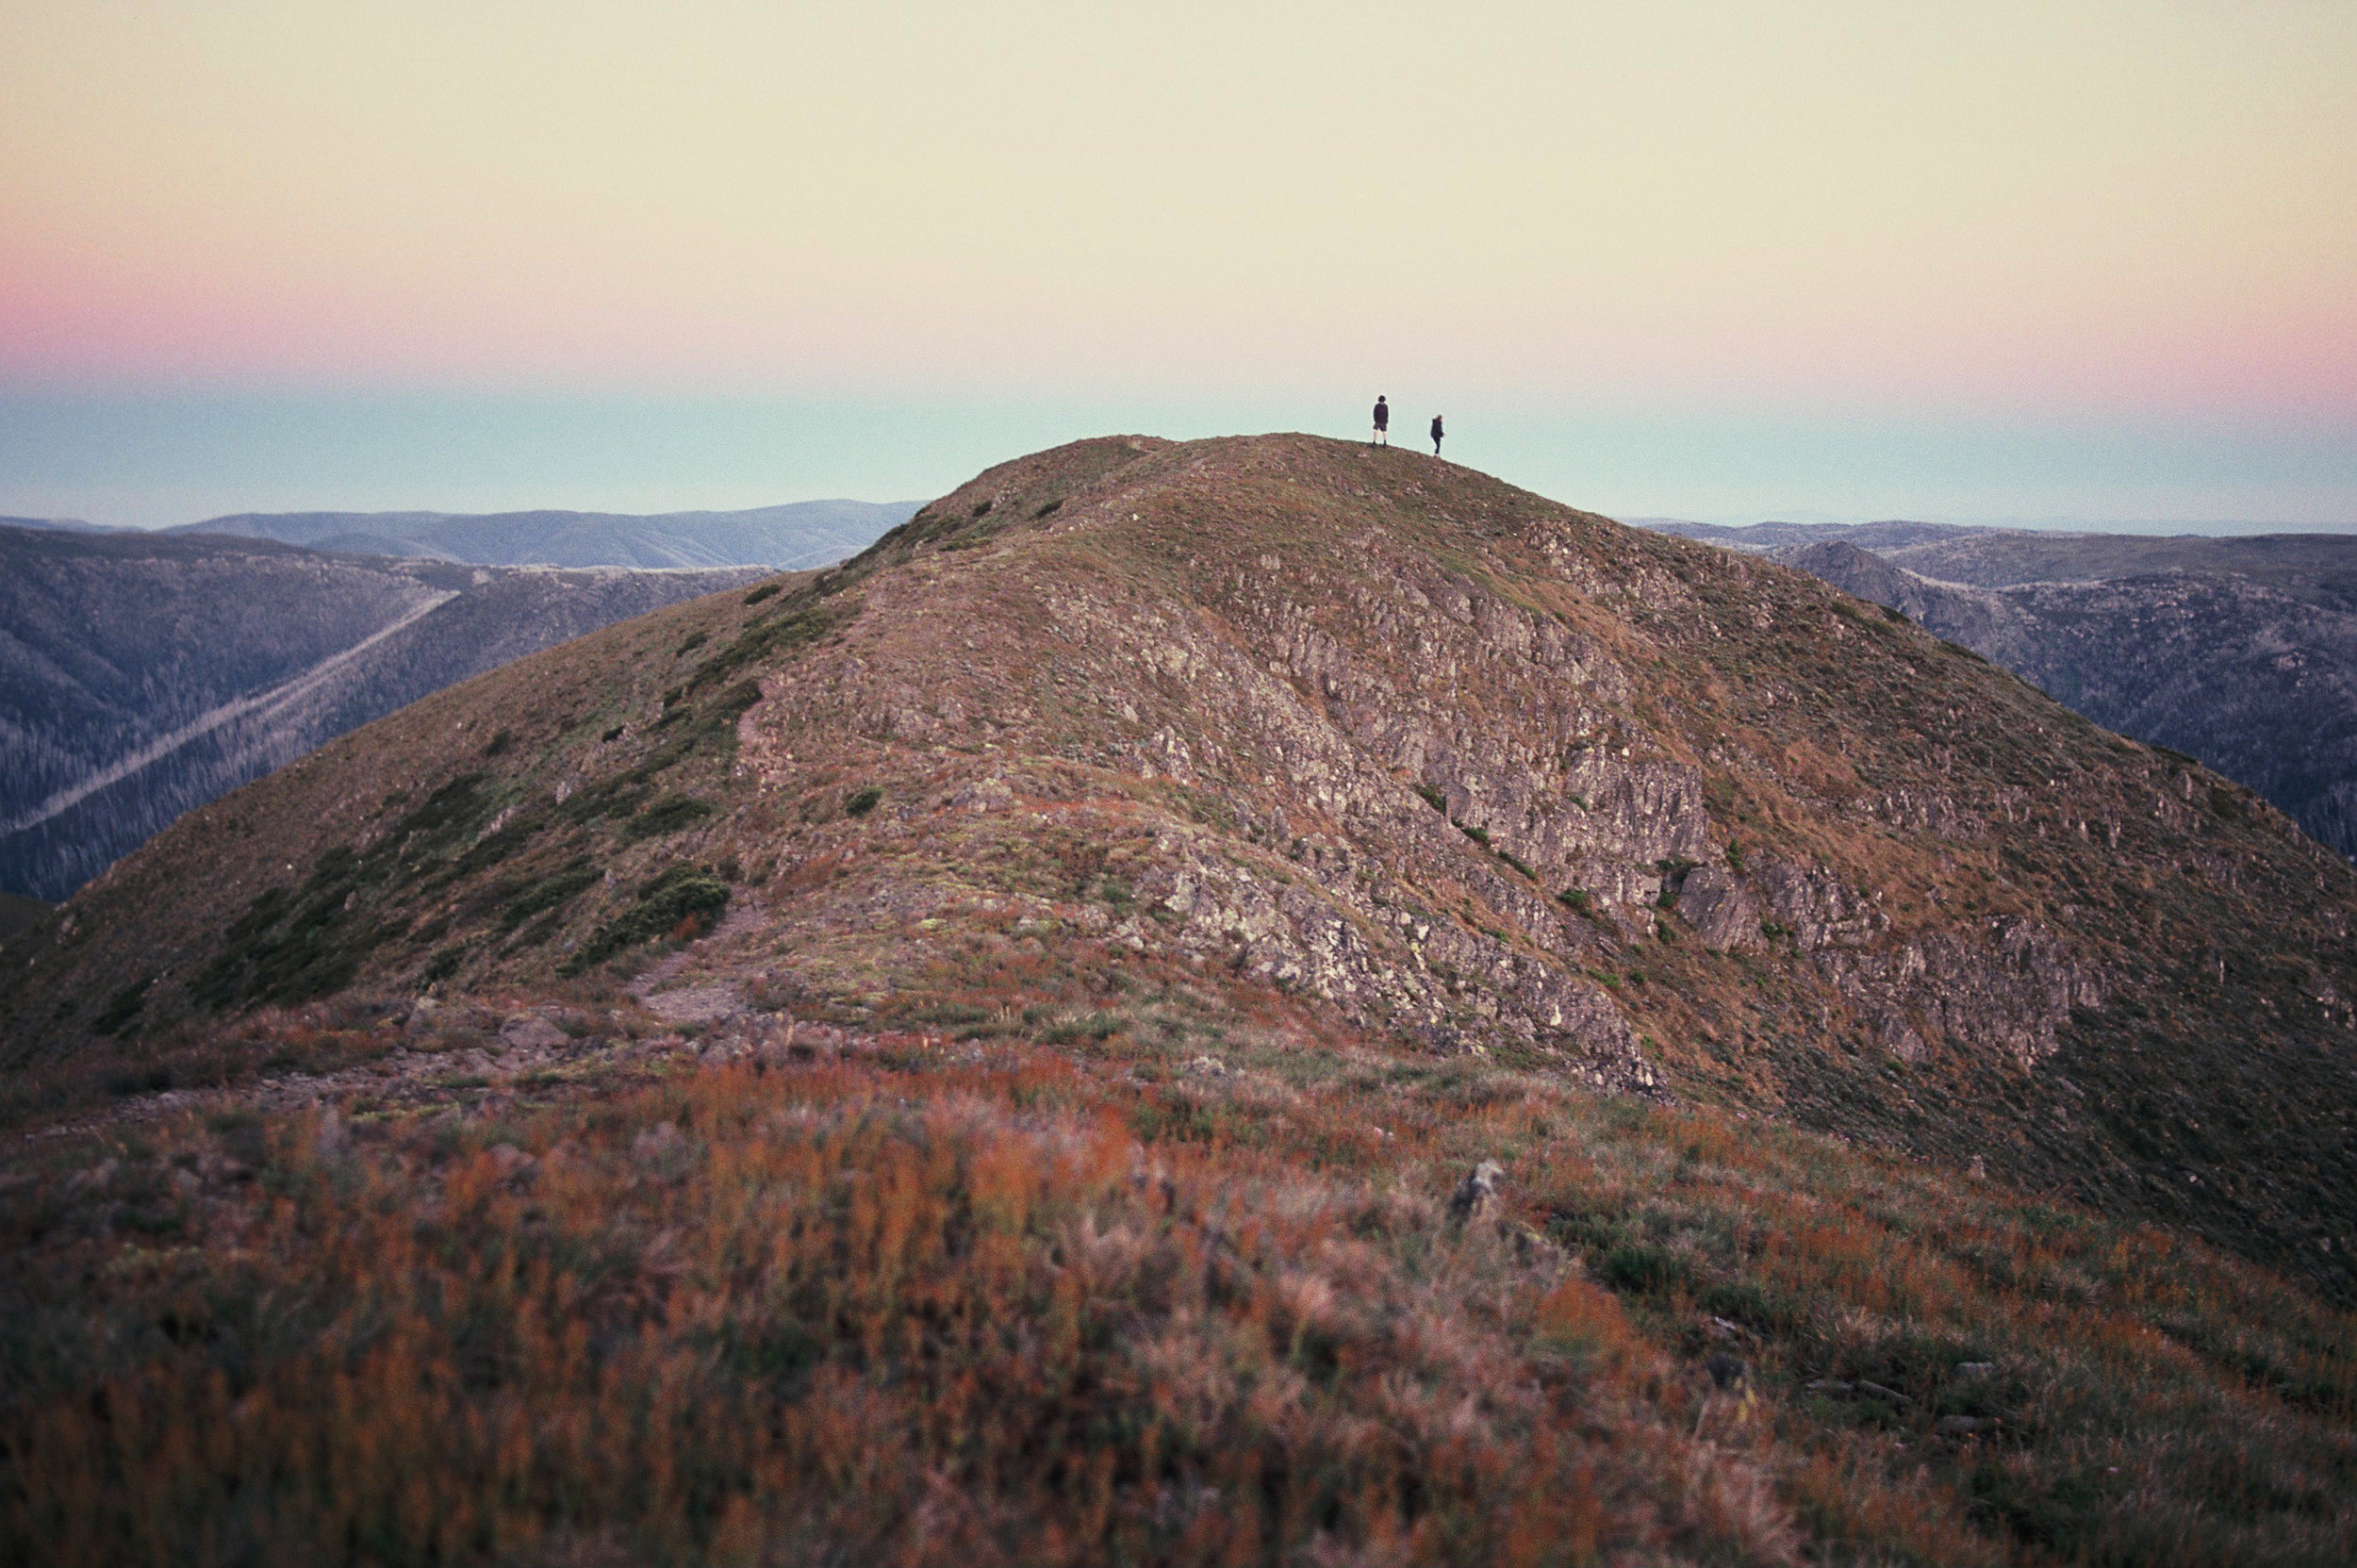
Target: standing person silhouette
1382,423
1435,435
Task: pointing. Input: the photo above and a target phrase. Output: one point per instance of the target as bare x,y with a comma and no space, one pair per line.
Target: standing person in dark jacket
1382,423
1435,435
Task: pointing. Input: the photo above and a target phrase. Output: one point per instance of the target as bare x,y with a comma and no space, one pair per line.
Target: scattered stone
1831,1385
1979,1171
1532,1249
514,1163
1959,1426
531,1032
223,1170
1975,1369
696,1004
1477,1195
96,1177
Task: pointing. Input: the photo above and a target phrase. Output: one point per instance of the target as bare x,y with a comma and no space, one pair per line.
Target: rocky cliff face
1391,746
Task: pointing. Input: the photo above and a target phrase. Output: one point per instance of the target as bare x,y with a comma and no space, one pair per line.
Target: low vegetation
890,1298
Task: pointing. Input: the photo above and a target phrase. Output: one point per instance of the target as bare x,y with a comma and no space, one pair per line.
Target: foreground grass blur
1114,1304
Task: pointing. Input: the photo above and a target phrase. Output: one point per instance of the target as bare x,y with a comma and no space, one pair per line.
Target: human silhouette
1382,423
1435,435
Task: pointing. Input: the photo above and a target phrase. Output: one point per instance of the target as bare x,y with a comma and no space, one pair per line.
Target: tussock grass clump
670,814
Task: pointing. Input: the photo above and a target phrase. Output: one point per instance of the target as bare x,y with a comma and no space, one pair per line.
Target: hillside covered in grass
988,1053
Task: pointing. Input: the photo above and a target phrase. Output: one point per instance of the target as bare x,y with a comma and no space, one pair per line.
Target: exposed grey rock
531,1032
695,1004
1477,1197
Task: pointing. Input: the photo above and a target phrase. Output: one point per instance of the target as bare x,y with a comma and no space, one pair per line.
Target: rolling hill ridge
142,674
799,533
1243,998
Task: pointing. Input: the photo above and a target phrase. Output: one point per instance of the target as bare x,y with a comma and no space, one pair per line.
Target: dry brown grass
916,1305
786,1314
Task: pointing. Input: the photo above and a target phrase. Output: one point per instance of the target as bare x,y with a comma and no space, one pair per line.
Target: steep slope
1074,1038
1468,768
801,534
142,675
2245,657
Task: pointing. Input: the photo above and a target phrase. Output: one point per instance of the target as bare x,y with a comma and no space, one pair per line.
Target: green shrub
861,802
684,902
671,814
1643,1267
557,887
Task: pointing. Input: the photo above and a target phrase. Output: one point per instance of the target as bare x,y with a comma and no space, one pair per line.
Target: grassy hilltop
978,1055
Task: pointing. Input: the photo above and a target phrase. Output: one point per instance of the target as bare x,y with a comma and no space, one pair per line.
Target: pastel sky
2024,260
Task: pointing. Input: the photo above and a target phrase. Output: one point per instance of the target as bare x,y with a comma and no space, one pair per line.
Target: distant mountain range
55,525
141,674
804,534
2241,650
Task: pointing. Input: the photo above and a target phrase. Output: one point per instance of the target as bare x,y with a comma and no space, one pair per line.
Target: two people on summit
1383,426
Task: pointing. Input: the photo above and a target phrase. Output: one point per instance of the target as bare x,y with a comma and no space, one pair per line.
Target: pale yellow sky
1985,205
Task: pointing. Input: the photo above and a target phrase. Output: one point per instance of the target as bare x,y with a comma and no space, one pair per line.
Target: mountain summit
1426,755
1236,1000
